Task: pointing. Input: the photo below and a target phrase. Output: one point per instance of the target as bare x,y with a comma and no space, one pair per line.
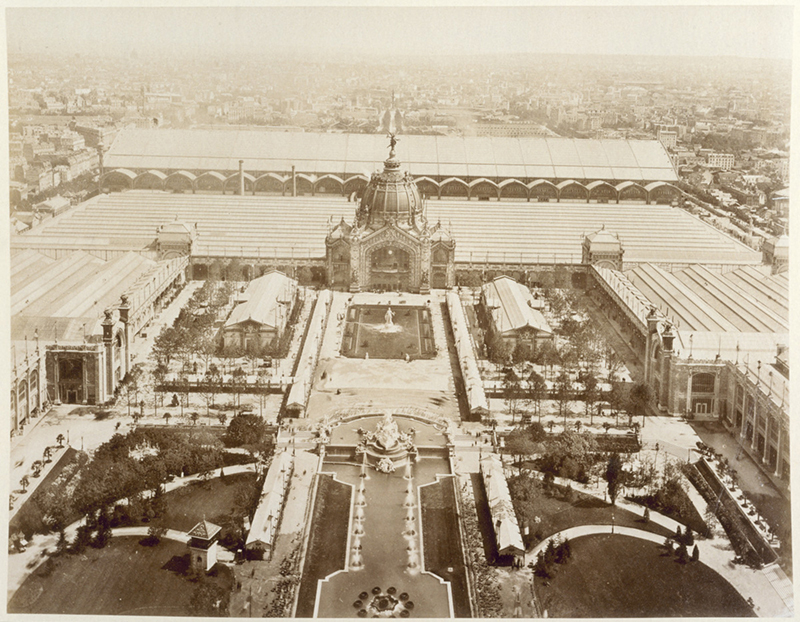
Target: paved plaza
342,383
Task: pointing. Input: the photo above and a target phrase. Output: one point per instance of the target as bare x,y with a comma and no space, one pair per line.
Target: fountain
387,445
388,325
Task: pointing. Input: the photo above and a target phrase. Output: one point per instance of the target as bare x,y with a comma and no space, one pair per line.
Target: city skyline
728,31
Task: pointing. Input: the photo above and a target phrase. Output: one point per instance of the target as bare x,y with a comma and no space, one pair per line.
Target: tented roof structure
265,520
351,154
264,297
512,306
504,519
476,396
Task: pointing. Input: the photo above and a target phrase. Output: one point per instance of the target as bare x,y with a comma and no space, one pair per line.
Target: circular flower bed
383,604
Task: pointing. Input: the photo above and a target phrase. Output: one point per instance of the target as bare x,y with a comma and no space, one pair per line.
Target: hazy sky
747,31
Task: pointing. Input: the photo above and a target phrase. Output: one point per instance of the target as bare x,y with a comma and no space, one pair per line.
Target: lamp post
612,519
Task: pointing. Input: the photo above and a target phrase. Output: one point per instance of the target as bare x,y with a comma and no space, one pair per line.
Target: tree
37,467
590,392
167,417
499,350
60,440
166,345
206,347
695,554
469,278
47,455
246,430
569,455
512,393
238,382
518,443
563,394
537,432
159,375
522,352
536,392
23,482
614,476
683,553
613,364
548,355
646,516
194,416
639,400
617,398
233,270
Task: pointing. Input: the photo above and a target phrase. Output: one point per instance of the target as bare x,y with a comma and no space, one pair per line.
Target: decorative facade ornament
390,216
385,465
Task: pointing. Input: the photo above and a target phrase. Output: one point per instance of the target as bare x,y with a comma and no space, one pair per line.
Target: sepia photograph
403,311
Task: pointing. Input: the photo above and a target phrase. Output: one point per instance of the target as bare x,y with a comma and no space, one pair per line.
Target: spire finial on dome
391,162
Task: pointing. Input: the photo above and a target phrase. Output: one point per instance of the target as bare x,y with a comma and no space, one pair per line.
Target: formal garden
124,484
539,458
190,375
575,381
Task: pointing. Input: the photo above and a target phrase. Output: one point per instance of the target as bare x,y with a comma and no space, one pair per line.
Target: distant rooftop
352,154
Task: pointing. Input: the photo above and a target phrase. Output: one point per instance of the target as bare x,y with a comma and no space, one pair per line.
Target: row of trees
524,396
193,332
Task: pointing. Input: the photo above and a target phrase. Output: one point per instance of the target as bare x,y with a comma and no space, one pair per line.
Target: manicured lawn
124,578
213,500
617,576
442,542
364,332
327,546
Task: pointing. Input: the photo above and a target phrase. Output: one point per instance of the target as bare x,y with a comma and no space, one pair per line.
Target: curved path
715,553
20,565
591,530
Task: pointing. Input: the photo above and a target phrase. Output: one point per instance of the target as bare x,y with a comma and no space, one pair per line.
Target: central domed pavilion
389,246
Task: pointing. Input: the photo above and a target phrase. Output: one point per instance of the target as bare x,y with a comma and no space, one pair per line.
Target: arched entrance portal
70,376
390,268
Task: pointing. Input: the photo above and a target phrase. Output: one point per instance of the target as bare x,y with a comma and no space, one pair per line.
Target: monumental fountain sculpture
386,445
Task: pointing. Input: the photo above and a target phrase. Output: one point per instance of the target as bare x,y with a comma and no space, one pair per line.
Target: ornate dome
390,196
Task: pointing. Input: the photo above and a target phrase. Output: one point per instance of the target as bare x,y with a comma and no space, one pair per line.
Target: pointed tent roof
603,240
204,530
